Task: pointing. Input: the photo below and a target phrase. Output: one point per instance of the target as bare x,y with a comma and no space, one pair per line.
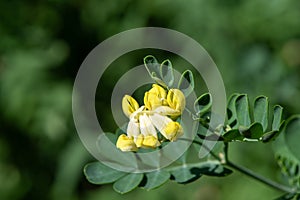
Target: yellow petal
139,141
167,111
155,97
160,91
176,100
129,105
172,131
160,121
125,143
150,141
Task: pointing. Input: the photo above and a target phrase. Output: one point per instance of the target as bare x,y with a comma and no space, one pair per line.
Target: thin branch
212,137
256,176
202,145
244,170
260,178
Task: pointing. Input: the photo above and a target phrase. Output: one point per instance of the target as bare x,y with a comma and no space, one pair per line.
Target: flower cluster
160,110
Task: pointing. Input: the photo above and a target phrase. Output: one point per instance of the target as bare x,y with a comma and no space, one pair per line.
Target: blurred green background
255,44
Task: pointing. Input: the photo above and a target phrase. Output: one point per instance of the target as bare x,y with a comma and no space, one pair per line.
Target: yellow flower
126,143
155,97
139,141
148,132
129,105
150,141
173,130
168,128
167,111
176,100
145,121
133,128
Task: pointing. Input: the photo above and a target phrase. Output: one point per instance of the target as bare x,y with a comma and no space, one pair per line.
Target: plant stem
244,170
254,175
204,146
260,178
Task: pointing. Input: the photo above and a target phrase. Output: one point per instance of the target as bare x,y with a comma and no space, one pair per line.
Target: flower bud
150,141
176,100
129,105
125,143
155,97
168,128
172,131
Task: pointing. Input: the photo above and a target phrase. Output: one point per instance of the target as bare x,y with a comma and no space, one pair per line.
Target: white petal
135,114
160,122
146,126
166,110
133,128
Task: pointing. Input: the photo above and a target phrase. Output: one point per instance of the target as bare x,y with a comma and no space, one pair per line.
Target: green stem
202,145
254,175
243,170
260,178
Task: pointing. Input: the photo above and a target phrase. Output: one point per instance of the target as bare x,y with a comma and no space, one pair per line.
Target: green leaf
277,125
261,111
288,196
203,104
242,110
238,113
272,135
231,111
212,169
98,173
151,65
128,183
277,117
166,72
286,159
156,179
113,137
186,82
232,135
292,135
184,174
153,68
190,172
255,131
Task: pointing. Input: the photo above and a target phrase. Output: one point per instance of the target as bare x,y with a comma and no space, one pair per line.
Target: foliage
244,123
43,43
